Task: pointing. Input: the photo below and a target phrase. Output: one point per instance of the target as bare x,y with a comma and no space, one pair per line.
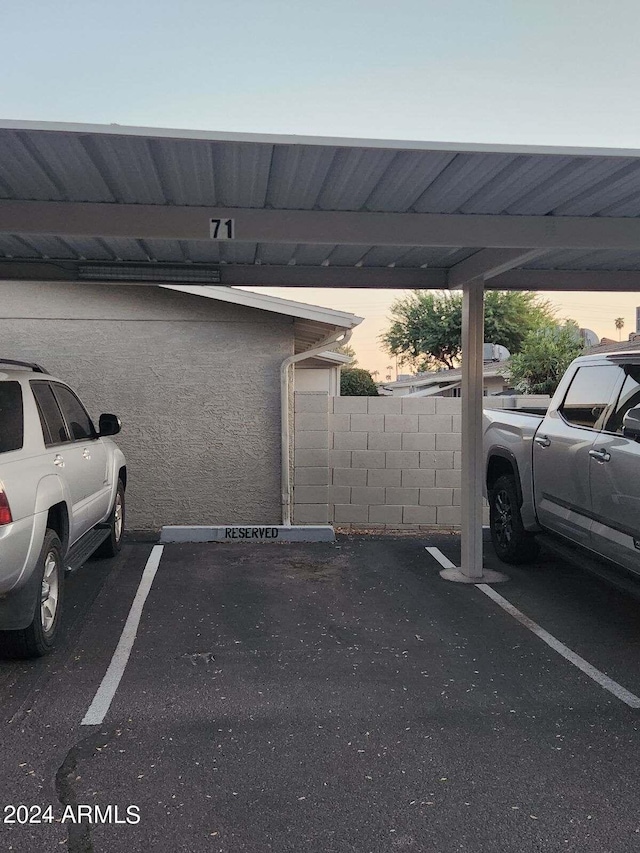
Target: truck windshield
11,417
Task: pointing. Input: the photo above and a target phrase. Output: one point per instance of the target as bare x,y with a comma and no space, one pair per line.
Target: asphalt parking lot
330,697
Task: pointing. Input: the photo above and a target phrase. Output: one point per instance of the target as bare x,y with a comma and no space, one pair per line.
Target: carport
118,204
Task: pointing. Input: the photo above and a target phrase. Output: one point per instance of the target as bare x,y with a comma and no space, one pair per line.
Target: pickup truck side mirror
109,425
631,424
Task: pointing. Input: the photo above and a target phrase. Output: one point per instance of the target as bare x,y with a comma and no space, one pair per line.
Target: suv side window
53,428
588,399
11,417
629,398
78,421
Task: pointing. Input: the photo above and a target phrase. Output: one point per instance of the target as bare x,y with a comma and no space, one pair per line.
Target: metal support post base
487,576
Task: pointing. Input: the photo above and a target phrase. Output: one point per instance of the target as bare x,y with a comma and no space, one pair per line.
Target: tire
511,542
113,543
39,638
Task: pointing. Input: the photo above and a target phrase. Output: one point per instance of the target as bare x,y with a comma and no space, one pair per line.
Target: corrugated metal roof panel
242,174
186,170
460,180
15,247
90,249
164,250
127,167
275,253
312,254
297,176
604,193
383,256
147,169
21,175
581,259
126,250
435,256
628,206
520,177
71,167
559,189
557,258
51,247
406,179
346,256
353,176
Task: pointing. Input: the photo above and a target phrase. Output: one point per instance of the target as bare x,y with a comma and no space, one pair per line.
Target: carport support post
471,569
472,394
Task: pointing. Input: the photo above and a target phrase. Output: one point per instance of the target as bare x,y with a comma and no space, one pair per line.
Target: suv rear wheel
511,542
38,638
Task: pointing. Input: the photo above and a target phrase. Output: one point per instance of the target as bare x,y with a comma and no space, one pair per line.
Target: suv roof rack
30,364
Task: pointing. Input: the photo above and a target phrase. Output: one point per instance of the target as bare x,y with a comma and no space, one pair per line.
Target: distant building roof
613,346
443,377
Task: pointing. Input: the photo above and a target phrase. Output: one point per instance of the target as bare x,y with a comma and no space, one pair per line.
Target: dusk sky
510,71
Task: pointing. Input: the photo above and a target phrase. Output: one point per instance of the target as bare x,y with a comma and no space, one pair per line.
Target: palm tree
390,369
619,321
375,373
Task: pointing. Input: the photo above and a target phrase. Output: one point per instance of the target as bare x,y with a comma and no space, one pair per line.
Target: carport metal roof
87,201
115,203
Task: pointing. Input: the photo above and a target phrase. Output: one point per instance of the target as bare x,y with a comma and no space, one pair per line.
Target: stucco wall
195,382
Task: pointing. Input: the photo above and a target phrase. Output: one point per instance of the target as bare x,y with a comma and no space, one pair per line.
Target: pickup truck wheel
39,637
511,542
113,543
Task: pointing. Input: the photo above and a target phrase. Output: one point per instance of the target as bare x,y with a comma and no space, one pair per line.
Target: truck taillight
5,509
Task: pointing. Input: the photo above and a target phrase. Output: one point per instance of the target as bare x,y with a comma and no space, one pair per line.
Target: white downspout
329,343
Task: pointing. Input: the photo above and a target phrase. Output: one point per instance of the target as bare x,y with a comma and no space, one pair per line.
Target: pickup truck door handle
59,461
600,455
542,440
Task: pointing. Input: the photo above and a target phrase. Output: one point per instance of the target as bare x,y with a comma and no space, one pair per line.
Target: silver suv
62,488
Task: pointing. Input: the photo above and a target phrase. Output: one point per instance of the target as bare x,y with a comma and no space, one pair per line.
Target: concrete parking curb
247,533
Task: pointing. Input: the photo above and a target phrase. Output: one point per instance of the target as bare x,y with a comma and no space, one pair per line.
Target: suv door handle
542,440
86,453
59,461
600,455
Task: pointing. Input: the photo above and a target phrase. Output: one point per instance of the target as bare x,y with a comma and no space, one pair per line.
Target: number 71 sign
222,229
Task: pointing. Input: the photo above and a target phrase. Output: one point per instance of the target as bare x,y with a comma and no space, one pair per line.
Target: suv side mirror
109,425
631,424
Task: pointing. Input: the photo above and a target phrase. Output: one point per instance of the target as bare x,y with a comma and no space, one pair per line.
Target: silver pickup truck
575,471
62,486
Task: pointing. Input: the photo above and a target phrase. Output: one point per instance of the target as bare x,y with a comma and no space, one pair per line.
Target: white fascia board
334,358
274,304
332,141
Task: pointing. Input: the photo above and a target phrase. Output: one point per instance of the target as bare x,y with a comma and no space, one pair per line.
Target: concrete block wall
388,462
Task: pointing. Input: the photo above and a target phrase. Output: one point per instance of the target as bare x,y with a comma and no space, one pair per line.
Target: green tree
619,321
426,325
347,349
356,382
544,357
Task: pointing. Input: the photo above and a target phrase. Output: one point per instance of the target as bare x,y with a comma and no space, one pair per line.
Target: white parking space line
437,554
584,666
107,690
